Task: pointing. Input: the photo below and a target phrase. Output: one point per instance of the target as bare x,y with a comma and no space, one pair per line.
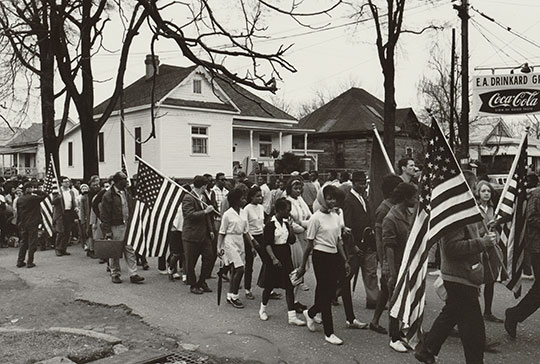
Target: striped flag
158,199
125,170
446,203
50,186
512,209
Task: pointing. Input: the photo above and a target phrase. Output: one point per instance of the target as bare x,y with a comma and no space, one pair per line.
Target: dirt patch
31,347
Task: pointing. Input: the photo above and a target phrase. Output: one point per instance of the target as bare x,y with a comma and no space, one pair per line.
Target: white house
201,126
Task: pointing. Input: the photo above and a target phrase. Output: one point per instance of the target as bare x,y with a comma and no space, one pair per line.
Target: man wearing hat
358,219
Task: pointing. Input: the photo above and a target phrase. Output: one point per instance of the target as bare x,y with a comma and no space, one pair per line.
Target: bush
288,163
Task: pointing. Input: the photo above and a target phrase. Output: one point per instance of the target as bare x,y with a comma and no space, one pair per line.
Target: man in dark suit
357,218
64,215
197,235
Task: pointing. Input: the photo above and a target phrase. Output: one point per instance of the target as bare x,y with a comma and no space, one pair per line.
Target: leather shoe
58,253
137,279
21,264
378,328
424,357
196,290
492,318
205,288
510,323
66,253
30,265
116,279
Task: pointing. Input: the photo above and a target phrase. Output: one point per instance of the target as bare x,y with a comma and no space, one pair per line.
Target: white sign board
506,94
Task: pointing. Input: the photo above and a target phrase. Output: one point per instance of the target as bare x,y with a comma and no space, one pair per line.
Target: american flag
124,170
446,203
158,199
50,185
512,208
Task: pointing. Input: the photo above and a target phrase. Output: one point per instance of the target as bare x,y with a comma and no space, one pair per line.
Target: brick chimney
150,67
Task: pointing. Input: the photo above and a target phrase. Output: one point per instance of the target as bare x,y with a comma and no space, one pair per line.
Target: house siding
208,93
357,152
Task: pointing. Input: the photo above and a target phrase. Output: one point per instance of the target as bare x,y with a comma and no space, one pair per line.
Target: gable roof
355,110
139,93
33,134
6,134
486,127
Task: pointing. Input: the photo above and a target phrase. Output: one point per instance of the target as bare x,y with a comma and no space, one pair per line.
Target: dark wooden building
344,131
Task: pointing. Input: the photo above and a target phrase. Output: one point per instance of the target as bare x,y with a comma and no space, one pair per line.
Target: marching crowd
296,226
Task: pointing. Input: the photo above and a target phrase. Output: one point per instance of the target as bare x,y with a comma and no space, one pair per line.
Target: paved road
230,332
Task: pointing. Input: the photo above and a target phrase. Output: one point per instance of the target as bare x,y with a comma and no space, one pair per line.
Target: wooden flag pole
383,149
173,182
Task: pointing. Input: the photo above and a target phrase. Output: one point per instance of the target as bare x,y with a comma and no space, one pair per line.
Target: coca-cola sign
516,101
507,94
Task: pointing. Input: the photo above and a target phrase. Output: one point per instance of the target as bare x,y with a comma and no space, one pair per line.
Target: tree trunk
389,107
89,134
46,80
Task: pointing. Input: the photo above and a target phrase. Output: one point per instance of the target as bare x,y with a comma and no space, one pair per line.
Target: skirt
277,277
233,248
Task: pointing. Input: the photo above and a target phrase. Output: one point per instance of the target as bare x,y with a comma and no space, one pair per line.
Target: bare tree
388,17
25,35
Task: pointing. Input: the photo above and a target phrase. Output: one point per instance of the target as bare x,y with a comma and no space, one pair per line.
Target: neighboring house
24,153
6,160
344,131
202,125
492,142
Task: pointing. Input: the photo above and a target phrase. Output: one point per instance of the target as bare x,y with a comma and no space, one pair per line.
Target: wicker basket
107,249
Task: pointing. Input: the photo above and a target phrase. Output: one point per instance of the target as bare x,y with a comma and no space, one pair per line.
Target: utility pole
463,13
452,90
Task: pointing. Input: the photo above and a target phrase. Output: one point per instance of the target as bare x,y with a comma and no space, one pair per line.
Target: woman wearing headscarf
300,215
325,242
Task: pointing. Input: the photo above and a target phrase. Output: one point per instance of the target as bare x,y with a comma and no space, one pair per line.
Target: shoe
137,279
378,329
333,339
102,261
176,276
145,266
275,295
249,295
196,290
357,325
295,321
162,272
529,277
184,279
235,302
205,288
398,346
424,357
492,318
116,279
58,253
318,318
304,287
263,315
30,265
91,254
66,253
491,346
309,321
299,307
510,323
21,264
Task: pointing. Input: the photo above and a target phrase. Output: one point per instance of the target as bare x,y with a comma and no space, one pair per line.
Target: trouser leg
324,265
23,247
531,302
32,234
248,270
471,325
192,252
369,277
207,262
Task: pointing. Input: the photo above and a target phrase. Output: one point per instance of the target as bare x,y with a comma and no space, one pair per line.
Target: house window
101,147
197,86
70,154
27,160
138,139
199,140
265,145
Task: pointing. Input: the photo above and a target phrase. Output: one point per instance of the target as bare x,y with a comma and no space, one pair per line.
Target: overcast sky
328,60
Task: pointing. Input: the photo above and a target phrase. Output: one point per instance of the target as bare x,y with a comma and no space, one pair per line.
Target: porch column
251,144
280,142
18,164
305,143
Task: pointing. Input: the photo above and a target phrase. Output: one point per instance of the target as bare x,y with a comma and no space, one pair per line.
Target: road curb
113,340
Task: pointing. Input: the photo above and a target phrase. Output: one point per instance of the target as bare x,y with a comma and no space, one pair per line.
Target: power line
476,25
507,28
